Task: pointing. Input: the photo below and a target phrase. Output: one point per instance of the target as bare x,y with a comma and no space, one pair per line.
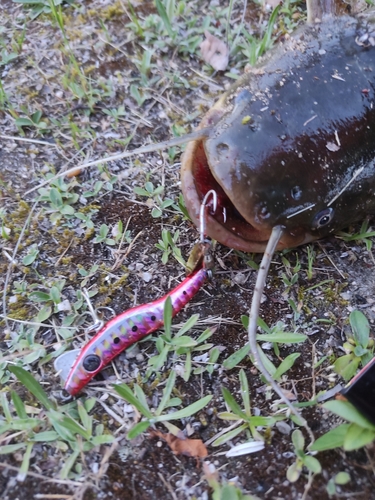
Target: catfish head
292,143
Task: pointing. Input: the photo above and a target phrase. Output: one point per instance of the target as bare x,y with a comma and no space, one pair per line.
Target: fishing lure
133,325
128,328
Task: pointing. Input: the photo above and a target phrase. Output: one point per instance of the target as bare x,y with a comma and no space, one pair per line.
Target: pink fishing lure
126,329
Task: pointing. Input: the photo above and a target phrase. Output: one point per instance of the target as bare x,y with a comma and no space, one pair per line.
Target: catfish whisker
355,175
175,141
276,234
300,211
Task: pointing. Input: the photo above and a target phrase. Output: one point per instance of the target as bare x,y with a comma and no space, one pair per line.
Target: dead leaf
183,446
289,394
215,52
74,173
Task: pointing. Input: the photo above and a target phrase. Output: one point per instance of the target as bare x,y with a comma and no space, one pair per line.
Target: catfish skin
296,132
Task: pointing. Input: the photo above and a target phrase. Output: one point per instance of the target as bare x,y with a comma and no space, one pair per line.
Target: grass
359,347
107,76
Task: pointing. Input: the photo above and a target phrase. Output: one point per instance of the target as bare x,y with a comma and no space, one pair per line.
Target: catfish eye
322,218
91,362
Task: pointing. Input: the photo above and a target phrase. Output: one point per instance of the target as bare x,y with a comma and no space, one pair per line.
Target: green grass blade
138,429
227,29
282,337
206,334
167,392
263,325
229,435
168,311
46,436
163,14
86,419
141,396
331,439
360,327
125,392
5,404
271,368
285,365
357,437
232,403
266,41
186,412
18,405
11,448
74,427
190,323
245,392
21,476
69,464
236,357
32,385
348,412
134,18
62,431
170,9
187,367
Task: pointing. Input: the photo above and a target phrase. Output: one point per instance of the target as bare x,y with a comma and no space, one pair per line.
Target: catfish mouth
226,225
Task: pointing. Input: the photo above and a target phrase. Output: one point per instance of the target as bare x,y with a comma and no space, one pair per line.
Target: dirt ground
177,89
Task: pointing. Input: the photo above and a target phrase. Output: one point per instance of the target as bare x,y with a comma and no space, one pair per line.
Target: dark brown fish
292,143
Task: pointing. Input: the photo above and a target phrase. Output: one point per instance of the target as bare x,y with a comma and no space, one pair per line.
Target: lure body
127,329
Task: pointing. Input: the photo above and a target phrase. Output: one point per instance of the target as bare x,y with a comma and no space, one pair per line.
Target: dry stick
26,139
52,496
168,486
176,141
308,485
34,323
276,234
44,478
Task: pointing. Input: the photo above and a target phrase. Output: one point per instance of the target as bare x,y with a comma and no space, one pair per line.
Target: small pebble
64,306
240,278
283,427
147,277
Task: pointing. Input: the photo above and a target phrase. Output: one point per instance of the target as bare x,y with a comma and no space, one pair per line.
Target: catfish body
293,141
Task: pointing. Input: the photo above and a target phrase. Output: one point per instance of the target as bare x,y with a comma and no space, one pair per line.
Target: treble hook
203,212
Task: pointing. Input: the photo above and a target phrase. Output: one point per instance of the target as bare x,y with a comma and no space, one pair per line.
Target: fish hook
203,212
200,254
98,323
